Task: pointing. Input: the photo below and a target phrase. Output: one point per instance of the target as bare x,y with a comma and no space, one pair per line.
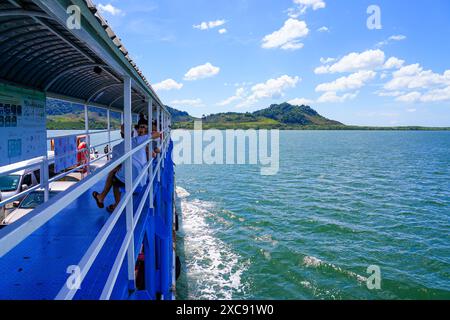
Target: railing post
129,179
150,170
45,177
88,138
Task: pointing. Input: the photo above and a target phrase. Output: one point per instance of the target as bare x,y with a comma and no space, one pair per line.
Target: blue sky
209,56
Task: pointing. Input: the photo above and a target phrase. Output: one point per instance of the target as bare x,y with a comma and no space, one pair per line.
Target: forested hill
282,116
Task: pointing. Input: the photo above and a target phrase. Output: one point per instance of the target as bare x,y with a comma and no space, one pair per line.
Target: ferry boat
67,247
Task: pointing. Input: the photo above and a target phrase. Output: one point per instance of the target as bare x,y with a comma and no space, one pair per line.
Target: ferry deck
68,248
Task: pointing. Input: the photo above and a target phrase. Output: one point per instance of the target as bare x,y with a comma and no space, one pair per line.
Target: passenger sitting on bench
116,178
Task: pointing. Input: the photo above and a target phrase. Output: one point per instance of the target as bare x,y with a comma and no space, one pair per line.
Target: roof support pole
129,179
88,139
150,151
166,131
109,148
162,139
158,123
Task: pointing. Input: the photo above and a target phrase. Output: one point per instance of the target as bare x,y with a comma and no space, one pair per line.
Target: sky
378,62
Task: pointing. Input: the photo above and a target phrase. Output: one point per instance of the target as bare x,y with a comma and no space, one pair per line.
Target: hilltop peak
287,113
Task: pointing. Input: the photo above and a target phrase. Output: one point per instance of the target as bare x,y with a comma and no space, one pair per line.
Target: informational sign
23,134
65,153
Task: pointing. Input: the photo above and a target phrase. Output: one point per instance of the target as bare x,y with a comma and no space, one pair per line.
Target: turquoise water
342,201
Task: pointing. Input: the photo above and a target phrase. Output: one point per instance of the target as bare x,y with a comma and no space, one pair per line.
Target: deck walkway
37,268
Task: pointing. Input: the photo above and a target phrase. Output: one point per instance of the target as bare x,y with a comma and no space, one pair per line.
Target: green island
65,116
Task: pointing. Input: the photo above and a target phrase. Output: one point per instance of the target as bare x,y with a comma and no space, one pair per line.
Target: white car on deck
35,199
17,182
21,180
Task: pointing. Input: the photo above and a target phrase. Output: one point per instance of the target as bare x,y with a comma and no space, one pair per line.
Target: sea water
342,201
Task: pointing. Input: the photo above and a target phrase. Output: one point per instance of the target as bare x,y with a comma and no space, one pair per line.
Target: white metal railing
41,160
43,163
18,232
109,286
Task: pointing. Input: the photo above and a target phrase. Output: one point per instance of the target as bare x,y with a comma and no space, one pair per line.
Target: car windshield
9,183
35,199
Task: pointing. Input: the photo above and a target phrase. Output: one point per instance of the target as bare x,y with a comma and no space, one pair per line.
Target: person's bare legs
108,184
117,196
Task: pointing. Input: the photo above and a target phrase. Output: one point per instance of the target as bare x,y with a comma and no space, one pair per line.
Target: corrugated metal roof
40,52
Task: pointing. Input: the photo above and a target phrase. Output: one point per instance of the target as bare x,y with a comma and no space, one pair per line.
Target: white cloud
315,4
272,88
390,94
323,29
187,103
223,31
332,97
411,110
288,37
292,46
354,81
367,60
168,84
322,70
410,97
209,25
240,94
399,37
327,60
437,95
412,83
300,101
201,72
414,77
393,63
304,5
201,26
109,8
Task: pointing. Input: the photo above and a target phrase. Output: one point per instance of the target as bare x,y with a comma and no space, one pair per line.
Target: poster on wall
22,124
65,153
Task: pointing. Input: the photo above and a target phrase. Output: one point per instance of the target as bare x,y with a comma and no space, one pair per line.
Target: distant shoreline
55,125
314,128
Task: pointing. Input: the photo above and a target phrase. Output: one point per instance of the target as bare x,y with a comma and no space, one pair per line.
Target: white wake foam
182,193
213,269
310,261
